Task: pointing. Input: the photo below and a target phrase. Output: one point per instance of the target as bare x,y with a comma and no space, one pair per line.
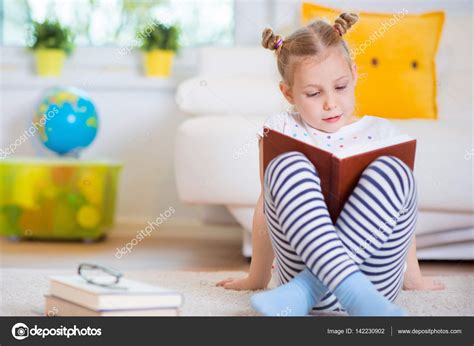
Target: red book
339,172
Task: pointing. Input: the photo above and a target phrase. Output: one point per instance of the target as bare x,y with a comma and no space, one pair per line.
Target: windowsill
92,68
12,79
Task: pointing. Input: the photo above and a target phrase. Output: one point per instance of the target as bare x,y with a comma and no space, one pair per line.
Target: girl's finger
230,285
434,285
222,282
438,286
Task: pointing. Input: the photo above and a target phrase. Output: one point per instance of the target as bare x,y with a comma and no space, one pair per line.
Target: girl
360,263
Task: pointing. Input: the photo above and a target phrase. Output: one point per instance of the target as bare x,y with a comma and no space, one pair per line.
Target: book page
369,146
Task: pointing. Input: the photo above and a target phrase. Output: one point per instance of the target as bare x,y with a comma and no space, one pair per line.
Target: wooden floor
196,248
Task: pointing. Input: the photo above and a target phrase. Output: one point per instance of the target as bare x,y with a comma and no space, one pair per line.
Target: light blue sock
295,298
359,297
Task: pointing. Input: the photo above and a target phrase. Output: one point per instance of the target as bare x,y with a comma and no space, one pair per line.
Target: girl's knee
284,162
285,156
388,159
388,166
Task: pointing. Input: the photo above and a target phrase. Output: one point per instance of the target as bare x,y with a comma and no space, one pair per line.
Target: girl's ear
287,92
354,73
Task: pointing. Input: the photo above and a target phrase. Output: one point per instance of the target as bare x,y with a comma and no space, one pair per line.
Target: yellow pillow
395,57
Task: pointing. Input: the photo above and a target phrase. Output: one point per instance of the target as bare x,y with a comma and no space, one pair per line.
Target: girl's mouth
333,119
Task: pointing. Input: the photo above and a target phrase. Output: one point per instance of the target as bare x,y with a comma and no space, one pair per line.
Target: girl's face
323,91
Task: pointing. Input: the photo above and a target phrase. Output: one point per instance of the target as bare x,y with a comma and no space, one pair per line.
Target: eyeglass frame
115,273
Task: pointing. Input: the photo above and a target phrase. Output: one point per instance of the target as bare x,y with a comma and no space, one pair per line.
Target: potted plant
160,44
51,43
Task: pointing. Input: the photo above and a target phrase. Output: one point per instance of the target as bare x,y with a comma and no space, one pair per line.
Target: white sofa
237,88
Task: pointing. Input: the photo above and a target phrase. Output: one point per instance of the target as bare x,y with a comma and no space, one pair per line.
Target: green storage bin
57,199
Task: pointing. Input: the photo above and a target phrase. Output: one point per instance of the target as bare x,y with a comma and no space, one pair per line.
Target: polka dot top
367,128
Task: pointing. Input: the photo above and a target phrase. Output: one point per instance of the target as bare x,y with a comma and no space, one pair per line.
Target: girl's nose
329,103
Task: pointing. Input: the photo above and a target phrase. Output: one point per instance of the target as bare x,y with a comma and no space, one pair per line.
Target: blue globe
66,120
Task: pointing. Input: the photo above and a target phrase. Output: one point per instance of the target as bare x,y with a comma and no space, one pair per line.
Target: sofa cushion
216,160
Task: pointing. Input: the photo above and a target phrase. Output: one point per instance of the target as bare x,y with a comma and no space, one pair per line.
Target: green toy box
57,199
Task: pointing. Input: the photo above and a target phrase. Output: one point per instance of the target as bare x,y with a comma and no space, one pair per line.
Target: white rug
22,293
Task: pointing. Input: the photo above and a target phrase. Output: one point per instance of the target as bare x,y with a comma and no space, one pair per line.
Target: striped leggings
372,234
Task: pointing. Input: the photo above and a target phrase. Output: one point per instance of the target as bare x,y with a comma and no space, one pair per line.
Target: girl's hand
242,284
422,283
413,279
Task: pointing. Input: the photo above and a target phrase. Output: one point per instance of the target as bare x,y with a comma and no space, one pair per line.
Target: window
115,22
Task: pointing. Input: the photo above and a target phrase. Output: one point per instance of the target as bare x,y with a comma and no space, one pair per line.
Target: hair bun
270,40
344,22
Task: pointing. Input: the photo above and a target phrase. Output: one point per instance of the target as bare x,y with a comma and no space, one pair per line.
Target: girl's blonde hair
312,40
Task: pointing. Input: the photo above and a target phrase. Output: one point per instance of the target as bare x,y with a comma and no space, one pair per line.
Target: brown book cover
339,176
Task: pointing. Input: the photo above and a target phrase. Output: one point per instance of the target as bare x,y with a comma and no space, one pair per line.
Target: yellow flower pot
50,62
158,63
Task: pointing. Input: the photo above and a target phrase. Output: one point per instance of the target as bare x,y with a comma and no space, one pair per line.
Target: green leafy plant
160,37
51,34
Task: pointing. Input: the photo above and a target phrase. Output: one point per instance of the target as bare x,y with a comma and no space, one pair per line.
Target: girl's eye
315,94
341,87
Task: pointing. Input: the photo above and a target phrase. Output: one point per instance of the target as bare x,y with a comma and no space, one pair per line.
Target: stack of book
73,296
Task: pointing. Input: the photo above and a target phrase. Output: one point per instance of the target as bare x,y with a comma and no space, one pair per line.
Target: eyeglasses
99,275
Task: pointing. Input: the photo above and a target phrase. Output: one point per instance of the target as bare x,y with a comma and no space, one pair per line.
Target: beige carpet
22,293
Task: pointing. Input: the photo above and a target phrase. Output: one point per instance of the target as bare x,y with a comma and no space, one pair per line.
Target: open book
339,172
